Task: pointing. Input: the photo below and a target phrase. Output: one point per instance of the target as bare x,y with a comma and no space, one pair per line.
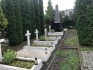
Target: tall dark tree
18,21
89,15
83,29
32,18
41,16
36,13
26,21
10,15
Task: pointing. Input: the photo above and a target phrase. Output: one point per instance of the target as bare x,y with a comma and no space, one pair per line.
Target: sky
63,4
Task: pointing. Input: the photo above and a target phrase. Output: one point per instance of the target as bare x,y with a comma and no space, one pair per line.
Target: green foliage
26,19
18,21
23,15
42,38
72,41
11,28
9,56
3,21
41,17
49,17
70,59
83,25
22,64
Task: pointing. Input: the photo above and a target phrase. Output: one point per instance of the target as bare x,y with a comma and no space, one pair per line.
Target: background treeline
67,21
84,21
23,15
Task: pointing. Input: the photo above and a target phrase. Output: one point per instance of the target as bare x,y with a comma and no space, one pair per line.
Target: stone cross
1,40
49,28
28,38
45,33
37,34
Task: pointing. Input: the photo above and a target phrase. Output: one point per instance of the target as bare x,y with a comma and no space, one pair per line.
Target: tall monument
57,25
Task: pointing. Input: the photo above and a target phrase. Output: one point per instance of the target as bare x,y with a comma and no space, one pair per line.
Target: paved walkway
87,60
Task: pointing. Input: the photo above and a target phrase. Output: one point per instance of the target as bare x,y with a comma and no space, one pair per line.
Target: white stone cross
45,33
28,38
49,28
1,40
37,34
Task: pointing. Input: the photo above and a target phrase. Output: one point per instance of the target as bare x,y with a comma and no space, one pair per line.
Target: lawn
22,64
70,59
71,40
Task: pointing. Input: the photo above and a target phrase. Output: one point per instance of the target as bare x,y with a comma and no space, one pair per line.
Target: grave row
39,51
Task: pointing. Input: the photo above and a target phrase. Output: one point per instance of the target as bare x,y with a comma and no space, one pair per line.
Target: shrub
52,30
9,56
42,38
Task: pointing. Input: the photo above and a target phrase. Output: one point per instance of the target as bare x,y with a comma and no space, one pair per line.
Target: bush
9,56
42,38
52,30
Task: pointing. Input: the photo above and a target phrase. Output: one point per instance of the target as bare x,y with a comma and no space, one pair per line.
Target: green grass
86,48
22,64
70,59
71,41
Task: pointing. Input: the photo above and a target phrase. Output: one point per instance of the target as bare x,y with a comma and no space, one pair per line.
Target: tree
11,28
83,28
41,16
89,15
3,21
18,21
26,20
49,13
36,13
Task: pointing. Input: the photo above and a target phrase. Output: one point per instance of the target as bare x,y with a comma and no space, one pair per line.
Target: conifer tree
83,28
41,16
36,13
32,18
25,11
89,16
10,15
18,21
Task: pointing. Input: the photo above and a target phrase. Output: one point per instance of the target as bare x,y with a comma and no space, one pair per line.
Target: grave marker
49,28
37,34
45,33
28,38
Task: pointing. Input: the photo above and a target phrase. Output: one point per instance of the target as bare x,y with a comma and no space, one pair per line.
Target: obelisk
57,25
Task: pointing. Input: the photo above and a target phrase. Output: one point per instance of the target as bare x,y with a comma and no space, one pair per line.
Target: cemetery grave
36,50
44,40
9,61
